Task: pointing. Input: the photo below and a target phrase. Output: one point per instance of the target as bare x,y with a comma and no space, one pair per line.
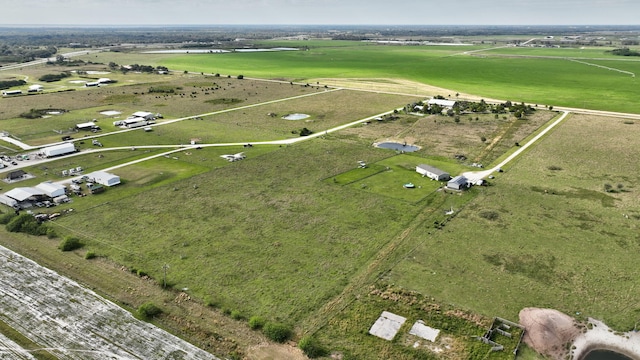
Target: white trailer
57,150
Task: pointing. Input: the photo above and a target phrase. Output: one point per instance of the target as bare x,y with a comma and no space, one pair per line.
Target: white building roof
23,193
35,87
85,125
104,178
141,114
442,102
51,189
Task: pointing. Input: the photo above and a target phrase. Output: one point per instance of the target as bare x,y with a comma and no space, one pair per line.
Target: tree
608,187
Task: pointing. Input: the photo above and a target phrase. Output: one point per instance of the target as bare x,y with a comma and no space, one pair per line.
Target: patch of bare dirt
548,331
266,351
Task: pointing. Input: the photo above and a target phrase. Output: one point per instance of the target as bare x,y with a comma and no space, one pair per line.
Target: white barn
51,189
432,172
104,178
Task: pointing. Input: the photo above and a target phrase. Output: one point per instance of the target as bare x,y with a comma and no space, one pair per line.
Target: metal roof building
433,172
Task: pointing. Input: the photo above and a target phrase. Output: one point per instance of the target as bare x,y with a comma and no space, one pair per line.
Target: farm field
298,234
553,81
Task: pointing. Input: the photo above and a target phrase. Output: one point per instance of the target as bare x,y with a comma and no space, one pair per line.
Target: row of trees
465,107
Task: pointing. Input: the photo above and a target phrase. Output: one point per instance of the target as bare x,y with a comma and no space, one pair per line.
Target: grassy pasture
326,110
547,234
552,81
192,96
252,234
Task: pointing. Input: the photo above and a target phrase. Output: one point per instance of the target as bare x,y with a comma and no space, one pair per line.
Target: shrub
70,243
277,332
489,215
51,233
236,315
5,218
149,310
90,255
256,322
311,347
211,301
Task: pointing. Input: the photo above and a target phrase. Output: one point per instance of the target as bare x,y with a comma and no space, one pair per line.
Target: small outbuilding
458,183
16,175
432,172
104,178
35,88
85,126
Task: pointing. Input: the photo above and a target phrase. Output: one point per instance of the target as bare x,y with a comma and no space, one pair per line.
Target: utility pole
164,281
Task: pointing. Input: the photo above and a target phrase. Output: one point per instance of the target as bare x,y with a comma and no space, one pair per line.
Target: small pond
605,355
296,116
398,146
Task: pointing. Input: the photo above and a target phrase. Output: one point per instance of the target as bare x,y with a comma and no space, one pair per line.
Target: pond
601,354
398,147
296,116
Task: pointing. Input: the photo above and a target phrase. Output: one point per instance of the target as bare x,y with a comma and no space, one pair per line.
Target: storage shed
458,183
24,193
432,172
104,178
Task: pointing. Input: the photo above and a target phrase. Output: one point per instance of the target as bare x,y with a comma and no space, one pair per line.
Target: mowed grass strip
548,234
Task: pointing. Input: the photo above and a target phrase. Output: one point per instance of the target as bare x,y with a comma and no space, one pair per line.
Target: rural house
432,172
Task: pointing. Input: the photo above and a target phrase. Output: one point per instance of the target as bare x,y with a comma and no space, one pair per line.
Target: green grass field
552,80
538,238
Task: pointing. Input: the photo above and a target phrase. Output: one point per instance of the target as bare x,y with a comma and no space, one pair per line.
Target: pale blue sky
352,12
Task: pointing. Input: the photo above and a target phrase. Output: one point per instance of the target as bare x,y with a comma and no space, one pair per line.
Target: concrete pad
387,325
419,329
110,113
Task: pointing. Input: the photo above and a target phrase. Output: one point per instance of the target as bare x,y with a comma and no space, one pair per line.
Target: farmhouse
104,178
57,150
442,102
458,183
432,172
